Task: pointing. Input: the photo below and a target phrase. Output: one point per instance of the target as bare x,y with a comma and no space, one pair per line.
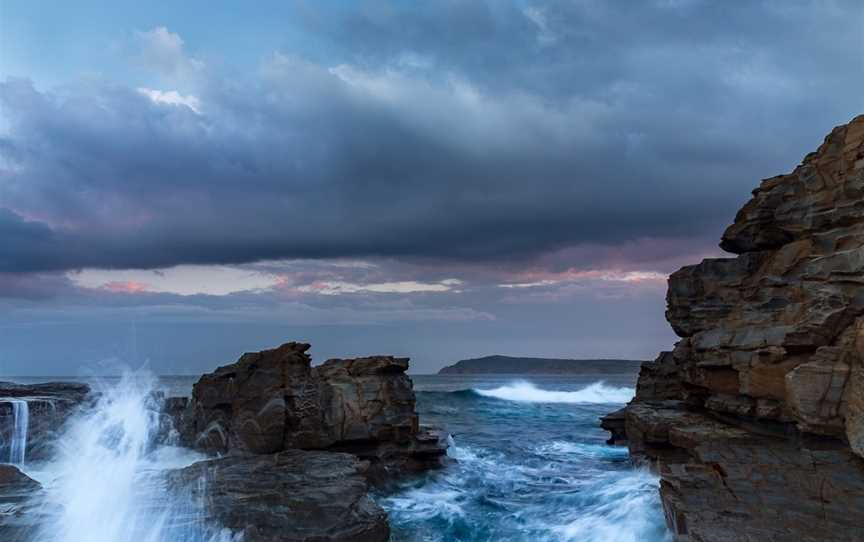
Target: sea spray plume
598,392
106,484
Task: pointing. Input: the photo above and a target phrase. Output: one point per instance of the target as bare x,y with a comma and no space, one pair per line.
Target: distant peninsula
514,365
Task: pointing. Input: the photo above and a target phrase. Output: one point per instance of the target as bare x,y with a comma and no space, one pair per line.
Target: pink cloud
125,287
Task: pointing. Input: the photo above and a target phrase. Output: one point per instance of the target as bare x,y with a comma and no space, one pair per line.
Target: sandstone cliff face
756,418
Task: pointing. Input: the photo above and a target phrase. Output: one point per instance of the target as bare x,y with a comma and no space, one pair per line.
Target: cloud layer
516,176
456,131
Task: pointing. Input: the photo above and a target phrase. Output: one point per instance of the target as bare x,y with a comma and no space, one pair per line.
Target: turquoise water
529,463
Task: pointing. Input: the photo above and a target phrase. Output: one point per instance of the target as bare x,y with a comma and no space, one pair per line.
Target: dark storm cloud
458,131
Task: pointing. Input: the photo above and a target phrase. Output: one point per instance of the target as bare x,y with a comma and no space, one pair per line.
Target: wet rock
172,416
49,405
290,496
18,493
755,420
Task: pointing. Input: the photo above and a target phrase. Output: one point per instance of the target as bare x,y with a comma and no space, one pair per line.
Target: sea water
528,463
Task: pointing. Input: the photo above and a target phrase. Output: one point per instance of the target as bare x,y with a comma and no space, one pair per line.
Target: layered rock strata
299,445
755,420
275,400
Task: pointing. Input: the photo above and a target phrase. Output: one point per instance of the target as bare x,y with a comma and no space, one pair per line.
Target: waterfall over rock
21,423
32,416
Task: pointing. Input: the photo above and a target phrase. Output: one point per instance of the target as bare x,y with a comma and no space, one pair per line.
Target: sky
181,182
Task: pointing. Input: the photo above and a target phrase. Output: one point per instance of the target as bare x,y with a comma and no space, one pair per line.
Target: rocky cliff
301,444
755,420
274,400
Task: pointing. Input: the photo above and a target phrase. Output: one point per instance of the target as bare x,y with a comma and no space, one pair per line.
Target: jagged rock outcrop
275,400
616,423
48,407
301,444
755,420
290,496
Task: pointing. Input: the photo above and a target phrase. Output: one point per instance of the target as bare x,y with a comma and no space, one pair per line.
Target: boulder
289,496
755,421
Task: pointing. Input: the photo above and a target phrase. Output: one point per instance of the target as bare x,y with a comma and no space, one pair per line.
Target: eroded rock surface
756,419
300,444
290,496
274,400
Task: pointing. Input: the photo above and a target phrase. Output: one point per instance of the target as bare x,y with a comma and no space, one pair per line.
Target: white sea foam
625,510
495,498
566,449
597,392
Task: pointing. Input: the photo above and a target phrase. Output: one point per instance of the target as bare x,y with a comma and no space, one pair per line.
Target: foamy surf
561,449
598,393
490,495
623,508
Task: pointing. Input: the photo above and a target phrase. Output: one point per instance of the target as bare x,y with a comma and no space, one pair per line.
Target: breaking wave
598,392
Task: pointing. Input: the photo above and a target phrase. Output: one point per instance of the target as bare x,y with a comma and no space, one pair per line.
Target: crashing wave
105,483
597,392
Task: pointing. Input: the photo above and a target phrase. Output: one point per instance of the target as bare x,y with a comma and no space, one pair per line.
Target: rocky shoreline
755,421
294,448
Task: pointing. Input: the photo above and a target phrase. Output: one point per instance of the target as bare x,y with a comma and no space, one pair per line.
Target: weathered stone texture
756,419
290,496
275,400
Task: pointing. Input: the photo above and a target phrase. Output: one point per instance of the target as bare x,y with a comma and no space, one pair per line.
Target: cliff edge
755,420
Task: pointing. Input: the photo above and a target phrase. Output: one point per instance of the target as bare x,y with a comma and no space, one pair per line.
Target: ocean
528,462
